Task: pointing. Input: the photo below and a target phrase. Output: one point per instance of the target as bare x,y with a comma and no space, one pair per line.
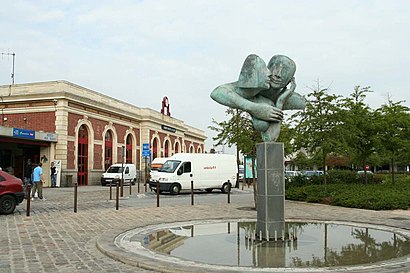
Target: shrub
384,196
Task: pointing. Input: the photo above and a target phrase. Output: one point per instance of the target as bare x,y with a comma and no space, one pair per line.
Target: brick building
83,131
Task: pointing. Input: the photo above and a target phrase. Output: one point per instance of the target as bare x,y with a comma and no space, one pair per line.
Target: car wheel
175,189
7,204
208,190
225,187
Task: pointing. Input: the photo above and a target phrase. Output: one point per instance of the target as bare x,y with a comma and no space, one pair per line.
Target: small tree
393,122
317,126
358,128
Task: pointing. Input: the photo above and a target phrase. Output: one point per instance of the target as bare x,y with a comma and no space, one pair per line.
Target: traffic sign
146,152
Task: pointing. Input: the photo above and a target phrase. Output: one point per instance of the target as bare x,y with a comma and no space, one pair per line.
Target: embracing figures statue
263,92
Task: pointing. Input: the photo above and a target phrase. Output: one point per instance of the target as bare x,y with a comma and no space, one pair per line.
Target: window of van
127,170
170,166
115,169
186,167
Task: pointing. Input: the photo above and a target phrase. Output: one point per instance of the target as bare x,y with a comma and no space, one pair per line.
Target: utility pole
14,56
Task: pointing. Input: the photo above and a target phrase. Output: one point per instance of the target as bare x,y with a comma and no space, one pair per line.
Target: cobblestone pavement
55,239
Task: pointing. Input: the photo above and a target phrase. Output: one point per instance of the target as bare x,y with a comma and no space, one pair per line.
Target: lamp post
14,56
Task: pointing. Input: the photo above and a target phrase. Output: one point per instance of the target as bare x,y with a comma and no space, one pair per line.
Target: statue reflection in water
308,245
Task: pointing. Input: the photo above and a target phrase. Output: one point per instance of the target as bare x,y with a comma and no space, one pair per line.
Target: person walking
53,173
28,170
38,180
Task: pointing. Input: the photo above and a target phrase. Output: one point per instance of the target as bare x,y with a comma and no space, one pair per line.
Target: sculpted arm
234,98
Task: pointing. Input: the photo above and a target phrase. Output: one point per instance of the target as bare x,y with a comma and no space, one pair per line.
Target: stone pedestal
270,191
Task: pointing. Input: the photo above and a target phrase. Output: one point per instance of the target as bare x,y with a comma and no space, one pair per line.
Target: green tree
393,122
359,128
317,126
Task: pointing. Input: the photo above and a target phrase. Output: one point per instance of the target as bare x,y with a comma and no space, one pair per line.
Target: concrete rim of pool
122,247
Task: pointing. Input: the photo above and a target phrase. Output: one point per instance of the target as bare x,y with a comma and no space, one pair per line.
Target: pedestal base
270,191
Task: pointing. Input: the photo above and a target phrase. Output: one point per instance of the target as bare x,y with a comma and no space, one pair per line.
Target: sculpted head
283,69
254,73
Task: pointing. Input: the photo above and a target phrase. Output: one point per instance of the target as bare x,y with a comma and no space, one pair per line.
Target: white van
116,171
157,163
208,171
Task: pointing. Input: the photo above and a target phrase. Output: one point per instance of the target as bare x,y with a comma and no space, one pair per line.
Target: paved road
55,239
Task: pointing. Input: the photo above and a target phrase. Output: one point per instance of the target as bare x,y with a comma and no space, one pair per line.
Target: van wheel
133,181
7,204
225,187
208,190
175,189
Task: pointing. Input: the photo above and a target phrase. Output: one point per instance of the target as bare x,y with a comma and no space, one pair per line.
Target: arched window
82,156
129,149
166,148
108,150
154,148
177,148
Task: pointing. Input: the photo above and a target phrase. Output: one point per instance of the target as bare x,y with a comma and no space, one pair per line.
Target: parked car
290,174
118,171
11,192
241,172
312,173
362,173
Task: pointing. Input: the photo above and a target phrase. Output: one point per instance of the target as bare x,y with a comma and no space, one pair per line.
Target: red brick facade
98,157
41,121
71,155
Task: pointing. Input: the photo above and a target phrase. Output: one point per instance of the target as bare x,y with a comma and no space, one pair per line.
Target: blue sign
145,146
145,150
23,133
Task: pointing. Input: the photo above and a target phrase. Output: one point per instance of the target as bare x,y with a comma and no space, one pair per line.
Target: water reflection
307,245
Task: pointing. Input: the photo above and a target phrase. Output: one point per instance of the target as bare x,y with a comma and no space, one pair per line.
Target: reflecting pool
308,244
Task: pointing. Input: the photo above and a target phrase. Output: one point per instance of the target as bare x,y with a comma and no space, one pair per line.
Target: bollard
130,187
110,190
117,194
122,186
75,196
192,192
157,193
28,196
139,180
229,192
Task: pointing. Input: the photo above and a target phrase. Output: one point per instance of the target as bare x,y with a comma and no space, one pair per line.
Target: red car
11,192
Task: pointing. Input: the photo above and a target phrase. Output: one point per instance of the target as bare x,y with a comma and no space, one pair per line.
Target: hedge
380,196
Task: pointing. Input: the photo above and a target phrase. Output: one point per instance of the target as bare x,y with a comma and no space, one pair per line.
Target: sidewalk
55,239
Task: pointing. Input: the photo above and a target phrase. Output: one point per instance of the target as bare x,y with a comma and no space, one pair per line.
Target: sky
141,51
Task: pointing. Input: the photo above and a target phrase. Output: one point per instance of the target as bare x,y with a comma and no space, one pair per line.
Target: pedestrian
38,180
53,173
28,170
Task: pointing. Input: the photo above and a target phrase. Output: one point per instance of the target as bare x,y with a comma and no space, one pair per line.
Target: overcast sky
141,51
